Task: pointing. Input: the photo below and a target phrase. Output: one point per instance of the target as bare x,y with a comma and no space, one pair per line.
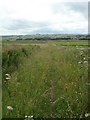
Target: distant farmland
45,79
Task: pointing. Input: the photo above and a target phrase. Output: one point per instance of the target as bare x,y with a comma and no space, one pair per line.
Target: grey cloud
48,30
39,30
23,24
31,27
81,7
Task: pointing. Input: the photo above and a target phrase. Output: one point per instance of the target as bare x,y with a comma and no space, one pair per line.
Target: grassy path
49,83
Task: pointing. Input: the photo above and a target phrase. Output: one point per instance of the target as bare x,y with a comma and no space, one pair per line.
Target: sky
22,17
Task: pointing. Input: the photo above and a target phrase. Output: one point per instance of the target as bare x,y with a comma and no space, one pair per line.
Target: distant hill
46,37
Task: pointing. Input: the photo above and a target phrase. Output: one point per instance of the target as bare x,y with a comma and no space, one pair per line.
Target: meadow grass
47,79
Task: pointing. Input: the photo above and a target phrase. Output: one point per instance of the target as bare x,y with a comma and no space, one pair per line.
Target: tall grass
49,81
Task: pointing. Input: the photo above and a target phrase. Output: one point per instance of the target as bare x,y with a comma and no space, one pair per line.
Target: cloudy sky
43,17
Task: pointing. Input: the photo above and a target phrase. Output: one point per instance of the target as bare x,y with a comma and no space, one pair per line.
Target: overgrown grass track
47,79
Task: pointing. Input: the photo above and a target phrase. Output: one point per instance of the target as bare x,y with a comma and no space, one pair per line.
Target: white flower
84,58
7,74
10,108
79,62
31,116
26,116
87,114
7,78
85,62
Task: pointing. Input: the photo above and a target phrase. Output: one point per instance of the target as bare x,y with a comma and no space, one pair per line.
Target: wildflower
81,53
84,58
87,114
87,83
10,108
79,62
31,116
26,116
8,76
85,61
81,116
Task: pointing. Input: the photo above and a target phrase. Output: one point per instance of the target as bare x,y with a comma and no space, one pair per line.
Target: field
45,79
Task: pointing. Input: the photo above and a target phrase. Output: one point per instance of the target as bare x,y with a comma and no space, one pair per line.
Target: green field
47,79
